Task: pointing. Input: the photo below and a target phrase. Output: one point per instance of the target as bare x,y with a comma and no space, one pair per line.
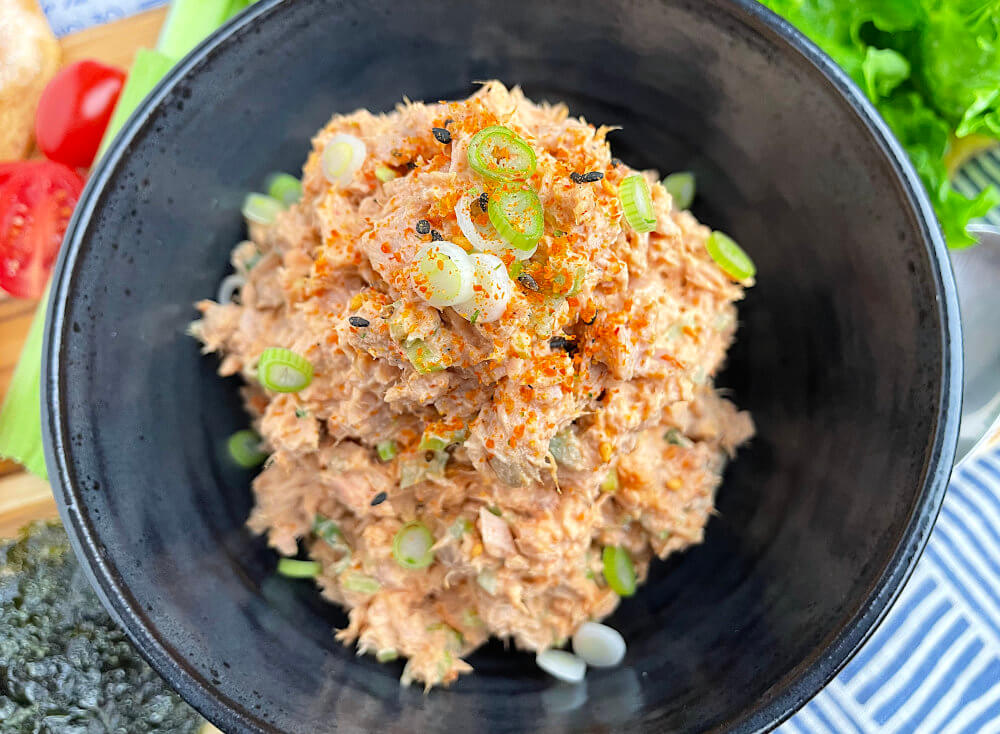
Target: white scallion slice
261,208
492,289
229,286
599,645
562,665
343,156
443,274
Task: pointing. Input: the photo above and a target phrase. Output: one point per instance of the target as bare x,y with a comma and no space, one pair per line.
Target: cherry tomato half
74,110
36,202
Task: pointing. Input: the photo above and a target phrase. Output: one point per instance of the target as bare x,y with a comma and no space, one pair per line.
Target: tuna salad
479,355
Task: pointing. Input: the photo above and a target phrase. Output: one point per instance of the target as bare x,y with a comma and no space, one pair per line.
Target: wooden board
23,497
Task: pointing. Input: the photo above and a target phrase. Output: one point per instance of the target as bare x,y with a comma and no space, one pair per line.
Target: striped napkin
933,666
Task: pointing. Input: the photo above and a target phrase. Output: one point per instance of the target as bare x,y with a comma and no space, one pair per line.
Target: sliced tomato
36,203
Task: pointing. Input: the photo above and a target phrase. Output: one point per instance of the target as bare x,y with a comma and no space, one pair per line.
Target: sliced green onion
415,469
475,224
327,530
637,203
384,173
387,450
618,570
282,370
460,527
578,277
610,481
360,583
260,208
422,356
517,217
342,157
284,187
681,187
497,152
387,655
433,440
488,581
245,448
295,569
412,546
443,274
489,301
730,257
565,449
674,437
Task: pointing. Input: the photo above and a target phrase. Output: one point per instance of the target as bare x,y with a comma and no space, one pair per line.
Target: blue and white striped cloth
933,666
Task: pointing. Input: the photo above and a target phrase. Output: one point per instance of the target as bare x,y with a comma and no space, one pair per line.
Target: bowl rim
789,693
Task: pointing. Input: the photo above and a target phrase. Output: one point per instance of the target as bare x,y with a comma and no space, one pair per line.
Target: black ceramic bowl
848,356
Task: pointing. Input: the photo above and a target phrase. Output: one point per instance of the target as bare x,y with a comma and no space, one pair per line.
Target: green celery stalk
190,21
148,68
20,417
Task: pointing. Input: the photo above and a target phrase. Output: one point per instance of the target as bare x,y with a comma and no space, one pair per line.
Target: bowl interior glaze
847,356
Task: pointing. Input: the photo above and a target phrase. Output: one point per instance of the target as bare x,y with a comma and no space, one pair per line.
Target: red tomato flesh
36,202
74,110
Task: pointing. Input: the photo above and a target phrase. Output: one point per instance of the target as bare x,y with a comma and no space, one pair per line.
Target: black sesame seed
436,236
379,498
448,122
358,321
616,162
567,345
423,227
528,282
410,165
442,135
590,177
484,201
600,398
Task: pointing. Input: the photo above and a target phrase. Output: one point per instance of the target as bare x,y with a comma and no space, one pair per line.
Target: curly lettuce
932,68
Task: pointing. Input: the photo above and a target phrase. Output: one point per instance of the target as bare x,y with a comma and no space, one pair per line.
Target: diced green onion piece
443,274
327,530
148,67
188,22
260,208
610,481
681,187
417,468
387,450
578,277
342,157
497,152
360,583
282,370
422,356
674,437
637,203
245,448
489,301
434,441
284,187
618,570
565,448
412,546
295,569
488,581
386,655
460,527
730,257
517,217
384,173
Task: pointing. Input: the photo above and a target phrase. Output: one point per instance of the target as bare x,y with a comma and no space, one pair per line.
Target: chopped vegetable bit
610,481
359,583
730,257
387,450
342,157
387,655
517,217
681,187
618,570
384,173
260,208
282,370
412,546
492,290
498,153
443,274
422,356
245,448
284,187
599,645
563,665
637,203
294,569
